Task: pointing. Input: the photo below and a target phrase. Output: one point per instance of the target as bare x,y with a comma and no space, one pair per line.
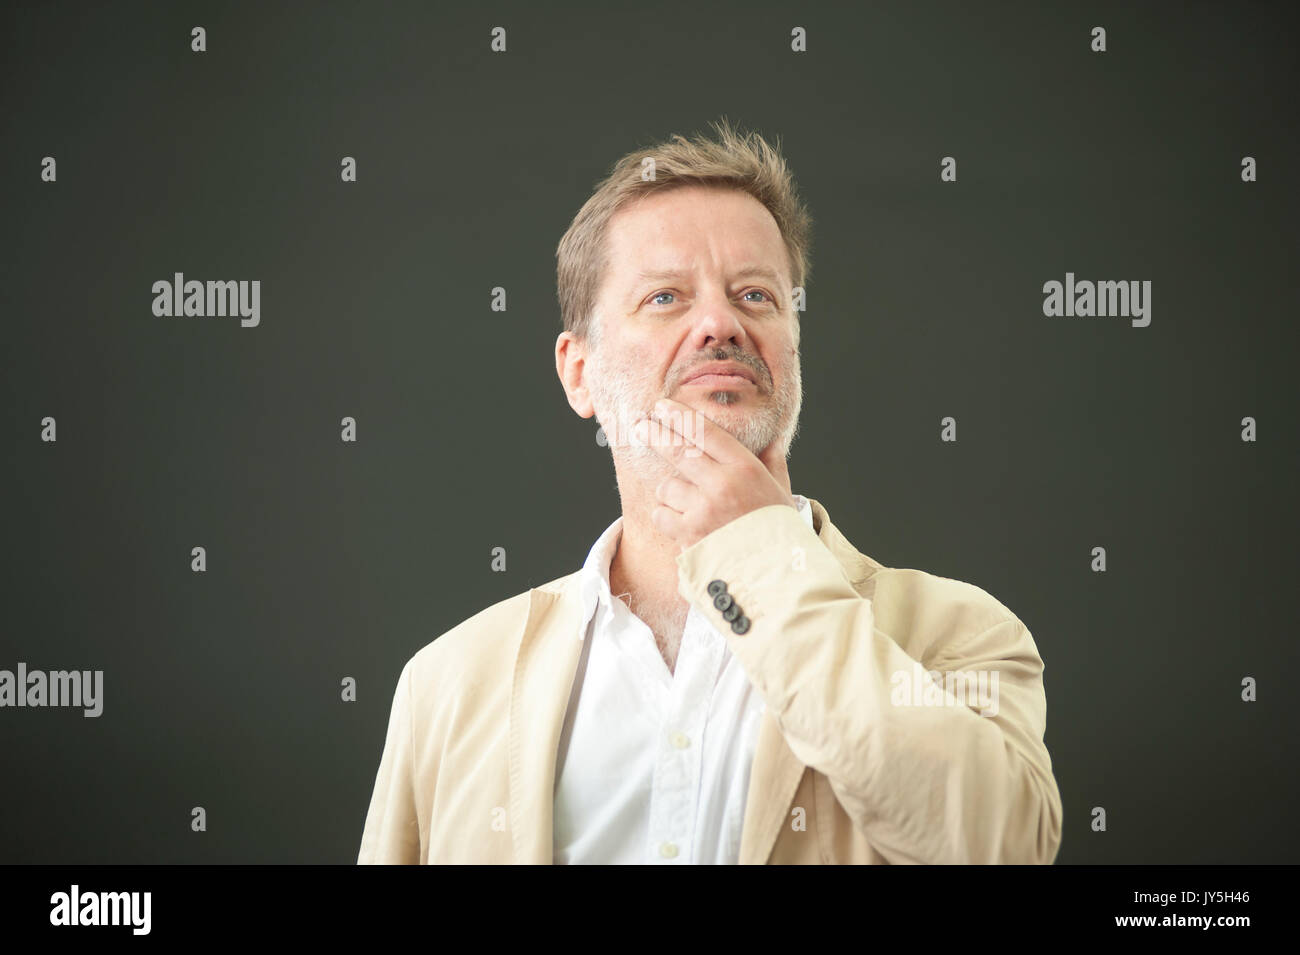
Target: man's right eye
659,295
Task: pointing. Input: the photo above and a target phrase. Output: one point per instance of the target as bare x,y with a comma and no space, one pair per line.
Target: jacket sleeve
933,783
392,831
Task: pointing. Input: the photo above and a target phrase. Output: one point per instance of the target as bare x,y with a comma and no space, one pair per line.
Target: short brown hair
736,160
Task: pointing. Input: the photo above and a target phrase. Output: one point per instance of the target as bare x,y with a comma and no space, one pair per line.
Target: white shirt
652,767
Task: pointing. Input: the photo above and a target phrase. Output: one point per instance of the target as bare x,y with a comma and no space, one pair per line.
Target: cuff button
740,624
717,587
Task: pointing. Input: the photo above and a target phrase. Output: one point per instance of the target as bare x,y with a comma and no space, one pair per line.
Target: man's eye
659,295
755,291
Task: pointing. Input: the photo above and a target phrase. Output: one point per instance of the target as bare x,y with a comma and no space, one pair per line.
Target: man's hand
717,478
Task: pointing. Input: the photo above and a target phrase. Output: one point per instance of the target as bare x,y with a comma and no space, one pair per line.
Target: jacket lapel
545,663
773,779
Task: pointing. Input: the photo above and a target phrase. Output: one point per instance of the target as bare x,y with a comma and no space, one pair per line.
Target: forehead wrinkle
656,275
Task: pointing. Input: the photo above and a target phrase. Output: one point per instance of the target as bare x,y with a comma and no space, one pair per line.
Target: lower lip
719,381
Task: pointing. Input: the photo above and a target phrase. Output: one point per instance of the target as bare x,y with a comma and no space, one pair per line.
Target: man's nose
717,322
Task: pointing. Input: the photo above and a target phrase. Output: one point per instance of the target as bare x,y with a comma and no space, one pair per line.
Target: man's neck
644,567
645,556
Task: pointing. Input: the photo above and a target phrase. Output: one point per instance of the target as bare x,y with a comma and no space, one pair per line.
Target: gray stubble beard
615,401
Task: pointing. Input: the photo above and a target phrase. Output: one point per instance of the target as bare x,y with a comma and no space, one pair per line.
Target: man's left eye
755,291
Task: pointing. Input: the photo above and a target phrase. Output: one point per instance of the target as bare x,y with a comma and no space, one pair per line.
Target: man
726,679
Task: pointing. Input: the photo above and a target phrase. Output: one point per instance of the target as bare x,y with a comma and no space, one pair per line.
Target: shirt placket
679,750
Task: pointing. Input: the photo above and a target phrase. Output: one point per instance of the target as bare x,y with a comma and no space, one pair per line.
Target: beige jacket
845,771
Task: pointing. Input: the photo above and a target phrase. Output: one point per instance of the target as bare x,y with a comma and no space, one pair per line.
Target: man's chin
724,412
735,419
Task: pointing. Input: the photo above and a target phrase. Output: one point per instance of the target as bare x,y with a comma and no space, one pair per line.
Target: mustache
722,353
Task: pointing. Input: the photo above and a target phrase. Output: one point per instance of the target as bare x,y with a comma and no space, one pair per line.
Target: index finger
712,440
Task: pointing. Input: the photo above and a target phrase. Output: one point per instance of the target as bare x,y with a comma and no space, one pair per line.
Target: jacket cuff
774,567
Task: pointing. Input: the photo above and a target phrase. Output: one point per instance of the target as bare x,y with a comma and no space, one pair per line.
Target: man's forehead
676,252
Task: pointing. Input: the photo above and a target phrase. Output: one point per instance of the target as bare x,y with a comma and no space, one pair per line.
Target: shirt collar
594,578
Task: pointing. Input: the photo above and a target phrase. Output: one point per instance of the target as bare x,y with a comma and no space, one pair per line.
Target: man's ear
571,366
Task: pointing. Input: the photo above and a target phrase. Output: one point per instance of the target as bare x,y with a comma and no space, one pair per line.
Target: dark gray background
328,560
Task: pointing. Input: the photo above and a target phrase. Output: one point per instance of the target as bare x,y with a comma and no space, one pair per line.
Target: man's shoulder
483,640
939,612
923,606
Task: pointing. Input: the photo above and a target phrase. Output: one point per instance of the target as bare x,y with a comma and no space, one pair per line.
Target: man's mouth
721,374
720,381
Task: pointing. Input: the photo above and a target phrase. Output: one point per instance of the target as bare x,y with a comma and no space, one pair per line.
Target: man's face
696,276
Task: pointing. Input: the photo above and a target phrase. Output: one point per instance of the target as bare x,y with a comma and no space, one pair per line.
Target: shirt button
667,849
681,740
